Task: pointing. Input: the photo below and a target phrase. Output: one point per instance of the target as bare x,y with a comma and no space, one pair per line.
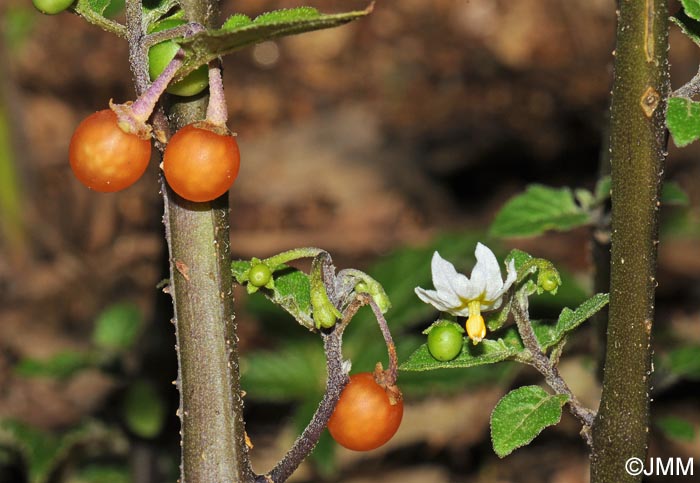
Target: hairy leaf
539,209
521,415
683,120
238,33
689,26
692,8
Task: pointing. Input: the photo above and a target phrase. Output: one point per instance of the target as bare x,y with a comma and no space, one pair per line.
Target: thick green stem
637,145
211,409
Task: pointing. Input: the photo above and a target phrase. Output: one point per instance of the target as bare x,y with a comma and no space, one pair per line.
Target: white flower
468,297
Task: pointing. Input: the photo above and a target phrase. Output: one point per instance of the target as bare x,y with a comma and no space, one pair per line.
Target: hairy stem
637,143
201,286
540,361
337,379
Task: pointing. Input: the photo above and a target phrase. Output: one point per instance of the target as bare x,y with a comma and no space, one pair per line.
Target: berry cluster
110,149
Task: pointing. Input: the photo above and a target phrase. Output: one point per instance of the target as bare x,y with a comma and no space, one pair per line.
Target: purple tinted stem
142,108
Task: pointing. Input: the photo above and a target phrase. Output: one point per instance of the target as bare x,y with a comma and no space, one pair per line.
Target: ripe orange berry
199,164
364,418
105,158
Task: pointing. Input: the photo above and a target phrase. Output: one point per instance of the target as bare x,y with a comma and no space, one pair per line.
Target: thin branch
391,348
544,365
180,31
337,379
690,89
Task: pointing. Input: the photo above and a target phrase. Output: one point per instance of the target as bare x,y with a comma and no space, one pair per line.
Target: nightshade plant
201,161
623,212
214,443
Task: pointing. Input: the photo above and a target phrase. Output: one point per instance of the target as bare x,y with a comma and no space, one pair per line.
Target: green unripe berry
445,342
549,280
160,55
52,7
259,275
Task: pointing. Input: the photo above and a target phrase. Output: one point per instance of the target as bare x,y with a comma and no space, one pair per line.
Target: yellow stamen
476,328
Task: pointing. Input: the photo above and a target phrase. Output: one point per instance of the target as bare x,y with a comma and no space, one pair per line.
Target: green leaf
143,409
237,34
95,473
689,26
508,345
153,10
486,352
676,428
570,319
521,415
673,194
117,327
292,292
93,11
602,189
323,456
537,210
288,15
692,8
684,362
295,371
390,271
45,453
60,366
683,120
236,21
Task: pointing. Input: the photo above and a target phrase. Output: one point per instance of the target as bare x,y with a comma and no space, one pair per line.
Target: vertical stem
201,285
637,142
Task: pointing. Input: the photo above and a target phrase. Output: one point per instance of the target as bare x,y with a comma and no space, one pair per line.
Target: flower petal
487,272
433,298
443,274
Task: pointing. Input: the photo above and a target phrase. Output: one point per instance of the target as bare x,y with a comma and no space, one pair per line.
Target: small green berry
259,275
160,55
445,342
52,7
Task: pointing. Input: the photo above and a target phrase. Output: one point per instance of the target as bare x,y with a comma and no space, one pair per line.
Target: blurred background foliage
381,142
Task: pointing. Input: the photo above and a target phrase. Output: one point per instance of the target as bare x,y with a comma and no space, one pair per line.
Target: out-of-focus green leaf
44,452
323,455
16,25
117,327
602,189
237,34
521,415
673,194
676,428
539,209
95,473
294,371
60,366
143,409
405,269
683,120
684,362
